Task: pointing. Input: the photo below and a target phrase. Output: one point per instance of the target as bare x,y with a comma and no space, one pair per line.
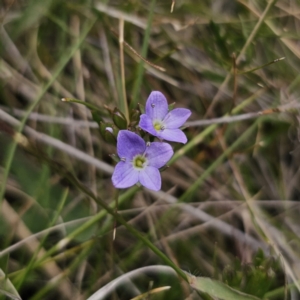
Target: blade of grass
22,232
110,210
60,66
240,56
7,288
200,137
218,161
103,292
123,100
57,280
217,289
140,70
41,244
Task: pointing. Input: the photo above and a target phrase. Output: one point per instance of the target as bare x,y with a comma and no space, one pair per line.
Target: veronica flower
161,123
139,162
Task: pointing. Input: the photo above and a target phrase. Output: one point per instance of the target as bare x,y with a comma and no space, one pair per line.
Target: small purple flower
161,123
139,161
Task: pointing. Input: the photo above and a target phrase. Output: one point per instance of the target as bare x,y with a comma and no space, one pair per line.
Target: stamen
123,159
139,162
152,105
148,144
157,125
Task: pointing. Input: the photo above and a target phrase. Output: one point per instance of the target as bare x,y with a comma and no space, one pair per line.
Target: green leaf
217,289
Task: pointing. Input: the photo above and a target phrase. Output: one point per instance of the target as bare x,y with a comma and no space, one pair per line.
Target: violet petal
176,118
156,106
147,125
129,144
124,175
150,178
173,135
158,154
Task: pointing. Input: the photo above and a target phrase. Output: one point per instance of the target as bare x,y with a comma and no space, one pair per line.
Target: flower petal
147,125
173,135
176,118
156,106
150,178
158,154
129,144
124,175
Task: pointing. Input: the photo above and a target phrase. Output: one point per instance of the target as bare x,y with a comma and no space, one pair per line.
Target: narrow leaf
217,289
7,288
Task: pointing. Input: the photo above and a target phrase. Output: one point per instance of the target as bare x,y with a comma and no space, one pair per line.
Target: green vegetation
225,224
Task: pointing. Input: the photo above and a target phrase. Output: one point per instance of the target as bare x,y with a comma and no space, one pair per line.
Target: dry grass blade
109,288
48,140
151,292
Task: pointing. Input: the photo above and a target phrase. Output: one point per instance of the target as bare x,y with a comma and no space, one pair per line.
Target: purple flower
161,123
139,161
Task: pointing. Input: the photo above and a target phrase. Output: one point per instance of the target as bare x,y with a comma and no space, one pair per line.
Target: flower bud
134,116
108,132
119,119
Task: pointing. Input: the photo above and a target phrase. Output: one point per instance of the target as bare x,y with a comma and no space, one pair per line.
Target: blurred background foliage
229,205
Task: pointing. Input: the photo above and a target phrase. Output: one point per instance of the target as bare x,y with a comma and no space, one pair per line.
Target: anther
123,159
152,105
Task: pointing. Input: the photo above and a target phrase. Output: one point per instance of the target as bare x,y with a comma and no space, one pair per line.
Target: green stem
262,66
87,104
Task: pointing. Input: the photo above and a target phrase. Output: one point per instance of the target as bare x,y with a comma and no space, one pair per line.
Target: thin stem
140,71
87,104
123,100
262,66
116,211
234,97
